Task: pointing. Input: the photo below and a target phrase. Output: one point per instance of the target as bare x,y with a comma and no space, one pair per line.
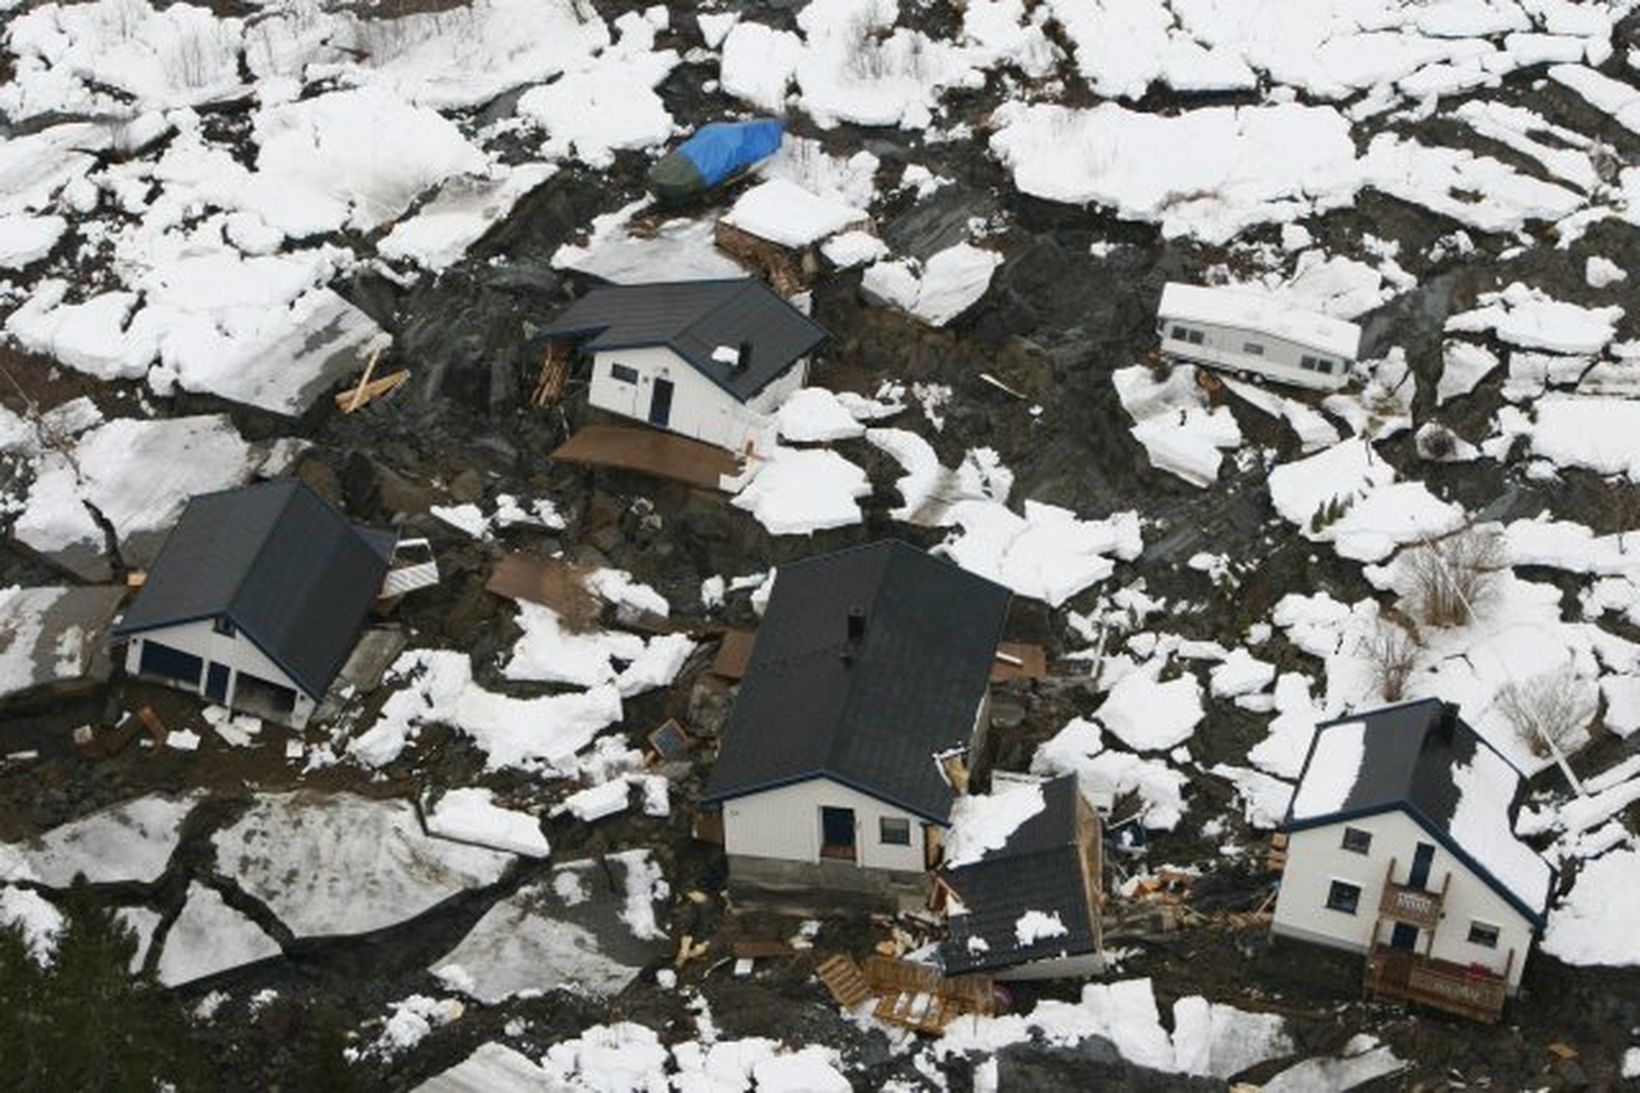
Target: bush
1452,576
1553,706
1392,652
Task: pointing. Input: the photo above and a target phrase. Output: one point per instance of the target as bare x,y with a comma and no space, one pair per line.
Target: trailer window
1323,366
1252,349
623,373
1187,334
1308,363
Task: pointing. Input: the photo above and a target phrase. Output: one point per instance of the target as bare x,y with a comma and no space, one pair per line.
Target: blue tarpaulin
722,148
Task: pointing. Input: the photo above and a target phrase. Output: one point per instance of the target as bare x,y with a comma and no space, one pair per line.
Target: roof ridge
233,598
744,285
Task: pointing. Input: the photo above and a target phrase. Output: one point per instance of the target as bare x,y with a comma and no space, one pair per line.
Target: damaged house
256,600
704,359
1402,846
1030,908
866,690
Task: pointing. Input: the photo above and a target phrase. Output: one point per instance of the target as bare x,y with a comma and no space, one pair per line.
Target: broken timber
917,997
549,385
845,981
369,389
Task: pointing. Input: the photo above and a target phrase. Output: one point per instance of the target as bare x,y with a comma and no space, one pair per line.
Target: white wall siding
1316,857
700,408
785,823
1223,347
237,653
768,400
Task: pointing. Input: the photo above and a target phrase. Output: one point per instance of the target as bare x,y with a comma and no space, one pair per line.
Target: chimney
856,625
743,359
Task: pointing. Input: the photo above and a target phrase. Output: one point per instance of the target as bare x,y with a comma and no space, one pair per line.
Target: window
1343,896
1179,333
1324,366
1356,840
1187,334
1307,363
1483,934
223,625
1252,349
623,373
1195,337
894,830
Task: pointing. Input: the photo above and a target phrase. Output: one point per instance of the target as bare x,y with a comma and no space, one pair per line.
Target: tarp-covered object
712,156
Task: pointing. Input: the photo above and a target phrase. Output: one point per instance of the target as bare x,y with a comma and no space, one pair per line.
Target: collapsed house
1402,846
1029,909
866,693
703,359
256,600
1252,333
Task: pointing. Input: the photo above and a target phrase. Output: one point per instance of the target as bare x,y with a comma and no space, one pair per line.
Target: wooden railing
1473,992
1416,906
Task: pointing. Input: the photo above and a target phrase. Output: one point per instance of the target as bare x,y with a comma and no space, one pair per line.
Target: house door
216,683
1418,877
660,403
837,833
1404,937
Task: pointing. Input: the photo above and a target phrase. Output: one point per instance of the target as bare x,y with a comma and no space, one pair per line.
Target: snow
1593,433
759,63
342,864
492,1067
1047,553
1104,774
1123,47
783,212
26,239
413,1020
127,842
35,918
814,415
608,105
471,815
1527,317
1381,513
1241,673
1313,430
1334,764
547,653
1034,926
1264,799
1619,99
512,732
1602,272
1363,1060
527,942
1206,173
853,248
464,209
597,802
1217,1040
1147,715
801,491
1180,434
981,823
209,937
936,291
1463,366
1481,824
1591,924
676,250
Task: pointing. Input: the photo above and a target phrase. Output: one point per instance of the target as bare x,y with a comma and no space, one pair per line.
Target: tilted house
256,599
1242,331
868,684
704,359
1030,908
1402,846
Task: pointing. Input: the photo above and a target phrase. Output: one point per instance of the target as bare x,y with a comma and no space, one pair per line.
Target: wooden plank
550,582
366,393
843,979
733,654
649,451
761,949
1016,660
364,381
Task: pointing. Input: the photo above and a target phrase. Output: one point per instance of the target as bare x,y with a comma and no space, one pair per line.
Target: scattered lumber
554,376
368,392
844,979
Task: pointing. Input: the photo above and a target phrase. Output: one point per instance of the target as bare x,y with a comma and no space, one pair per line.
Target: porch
1465,990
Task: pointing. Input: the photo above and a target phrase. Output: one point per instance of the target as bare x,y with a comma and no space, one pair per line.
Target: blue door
216,683
1418,877
660,403
1404,937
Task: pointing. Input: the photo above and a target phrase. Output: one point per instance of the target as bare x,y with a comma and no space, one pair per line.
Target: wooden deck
649,451
917,997
1469,992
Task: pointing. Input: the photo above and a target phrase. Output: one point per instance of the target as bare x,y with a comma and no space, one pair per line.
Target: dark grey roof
1408,758
1038,869
279,561
870,714
694,318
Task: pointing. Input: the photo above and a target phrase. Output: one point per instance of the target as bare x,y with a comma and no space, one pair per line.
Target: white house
256,600
1030,908
1402,846
705,359
867,685
1239,331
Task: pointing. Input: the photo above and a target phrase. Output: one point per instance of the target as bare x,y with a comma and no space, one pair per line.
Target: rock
709,704
1572,1075
321,479
467,486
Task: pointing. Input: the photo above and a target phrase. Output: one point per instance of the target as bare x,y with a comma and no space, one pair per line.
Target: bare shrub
1453,572
1551,706
1392,652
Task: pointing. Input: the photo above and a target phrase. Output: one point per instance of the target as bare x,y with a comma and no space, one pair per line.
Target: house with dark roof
866,691
256,599
1029,908
705,359
1401,845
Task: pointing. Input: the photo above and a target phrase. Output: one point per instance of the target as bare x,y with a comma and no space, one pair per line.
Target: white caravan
1239,331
